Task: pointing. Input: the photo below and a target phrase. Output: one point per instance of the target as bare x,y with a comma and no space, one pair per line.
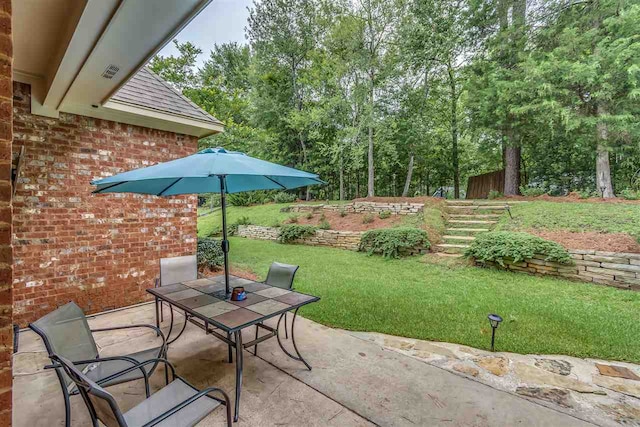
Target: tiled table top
263,301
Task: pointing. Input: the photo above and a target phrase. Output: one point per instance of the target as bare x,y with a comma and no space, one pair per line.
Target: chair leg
286,333
255,349
67,407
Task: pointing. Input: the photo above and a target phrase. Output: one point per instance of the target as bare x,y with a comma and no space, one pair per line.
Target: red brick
72,245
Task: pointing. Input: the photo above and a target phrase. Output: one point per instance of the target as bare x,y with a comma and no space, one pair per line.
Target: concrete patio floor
354,382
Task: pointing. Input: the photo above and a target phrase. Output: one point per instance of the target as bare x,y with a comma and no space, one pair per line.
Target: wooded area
401,97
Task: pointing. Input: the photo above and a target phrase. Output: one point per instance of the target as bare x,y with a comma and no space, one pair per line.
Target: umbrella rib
97,191
170,185
276,182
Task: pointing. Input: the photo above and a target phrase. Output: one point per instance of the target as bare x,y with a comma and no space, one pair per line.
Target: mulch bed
350,222
609,242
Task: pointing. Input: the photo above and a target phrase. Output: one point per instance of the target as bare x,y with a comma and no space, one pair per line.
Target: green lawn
602,217
411,298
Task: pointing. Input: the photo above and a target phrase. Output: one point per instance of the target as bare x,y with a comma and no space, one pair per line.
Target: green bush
284,197
293,219
343,213
309,215
587,193
384,214
243,220
494,194
324,225
368,218
500,245
290,232
391,242
250,198
209,253
629,194
531,191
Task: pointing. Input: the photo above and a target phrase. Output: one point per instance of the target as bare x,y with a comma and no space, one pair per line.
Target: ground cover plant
411,298
498,246
393,242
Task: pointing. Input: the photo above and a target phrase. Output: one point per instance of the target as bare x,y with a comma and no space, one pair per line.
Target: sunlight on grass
408,297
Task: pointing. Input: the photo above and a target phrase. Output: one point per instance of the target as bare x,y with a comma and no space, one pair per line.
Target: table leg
239,363
229,346
293,340
157,316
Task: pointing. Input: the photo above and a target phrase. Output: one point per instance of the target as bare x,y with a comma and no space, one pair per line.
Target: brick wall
6,256
621,270
101,251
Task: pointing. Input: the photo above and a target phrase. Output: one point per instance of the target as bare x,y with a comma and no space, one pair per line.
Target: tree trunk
512,157
341,176
407,182
603,168
454,133
371,176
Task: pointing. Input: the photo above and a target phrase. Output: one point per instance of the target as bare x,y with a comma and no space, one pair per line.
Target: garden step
472,216
452,231
459,238
477,208
484,202
471,221
451,247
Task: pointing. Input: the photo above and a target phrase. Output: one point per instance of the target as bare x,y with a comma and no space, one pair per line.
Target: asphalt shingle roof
148,90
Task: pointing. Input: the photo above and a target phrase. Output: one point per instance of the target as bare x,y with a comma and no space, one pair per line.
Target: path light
494,321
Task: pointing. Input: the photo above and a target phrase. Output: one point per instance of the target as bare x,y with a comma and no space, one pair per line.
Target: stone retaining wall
363,207
621,270
349,240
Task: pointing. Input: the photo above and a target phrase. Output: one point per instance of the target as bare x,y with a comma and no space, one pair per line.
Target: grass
600,217
412,298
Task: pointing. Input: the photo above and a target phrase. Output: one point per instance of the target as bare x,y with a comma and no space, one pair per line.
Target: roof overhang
76,54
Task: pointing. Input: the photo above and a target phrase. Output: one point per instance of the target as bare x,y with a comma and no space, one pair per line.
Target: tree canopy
402,97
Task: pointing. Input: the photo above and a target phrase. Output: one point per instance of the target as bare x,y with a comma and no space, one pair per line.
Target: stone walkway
605,393
357,380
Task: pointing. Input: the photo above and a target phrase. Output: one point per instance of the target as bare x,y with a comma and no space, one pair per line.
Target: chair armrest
135,365
140,365
192,399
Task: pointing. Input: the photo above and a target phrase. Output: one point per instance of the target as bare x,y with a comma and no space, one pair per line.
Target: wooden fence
479,186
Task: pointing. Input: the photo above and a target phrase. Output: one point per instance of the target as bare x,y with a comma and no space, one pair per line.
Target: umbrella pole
225,242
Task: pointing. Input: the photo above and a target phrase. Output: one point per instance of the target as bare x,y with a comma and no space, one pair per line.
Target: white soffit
137,30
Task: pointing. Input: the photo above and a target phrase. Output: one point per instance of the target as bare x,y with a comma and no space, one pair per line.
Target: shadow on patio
353,382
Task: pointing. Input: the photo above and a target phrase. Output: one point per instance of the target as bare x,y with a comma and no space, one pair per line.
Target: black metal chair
178,404
66,333
280,276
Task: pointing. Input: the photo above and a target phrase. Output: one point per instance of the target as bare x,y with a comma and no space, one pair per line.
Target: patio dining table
225,319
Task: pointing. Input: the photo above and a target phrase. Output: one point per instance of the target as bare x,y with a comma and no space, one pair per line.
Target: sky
222,21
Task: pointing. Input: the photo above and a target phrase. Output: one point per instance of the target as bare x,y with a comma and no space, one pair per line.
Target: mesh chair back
178,269
281,275
65,332
102,404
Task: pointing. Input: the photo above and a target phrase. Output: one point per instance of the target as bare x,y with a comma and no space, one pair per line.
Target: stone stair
466,219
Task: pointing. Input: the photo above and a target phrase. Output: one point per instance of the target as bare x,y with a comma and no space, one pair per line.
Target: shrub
531,191
209,253
293,219
284,197
500,245
586,193
343,213
368,218
309,215
290,232
324,225
391,242
494,194
384,214
629,194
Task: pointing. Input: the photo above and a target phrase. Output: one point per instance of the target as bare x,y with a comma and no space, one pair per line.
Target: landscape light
494,321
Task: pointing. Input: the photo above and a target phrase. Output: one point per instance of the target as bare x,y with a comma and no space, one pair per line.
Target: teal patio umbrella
213,170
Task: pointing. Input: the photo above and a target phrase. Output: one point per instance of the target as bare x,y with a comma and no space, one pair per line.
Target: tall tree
178,70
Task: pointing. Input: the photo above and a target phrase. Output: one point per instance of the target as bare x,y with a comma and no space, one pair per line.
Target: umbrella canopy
213,170
200,172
